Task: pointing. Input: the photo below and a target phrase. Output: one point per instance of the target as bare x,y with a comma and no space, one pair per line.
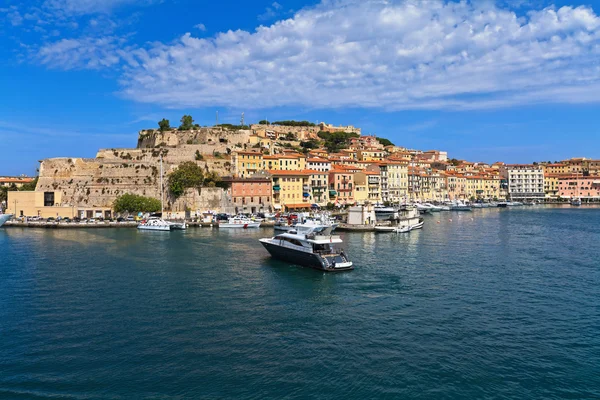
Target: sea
488,304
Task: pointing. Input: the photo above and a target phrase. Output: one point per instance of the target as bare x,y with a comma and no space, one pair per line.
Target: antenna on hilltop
242,121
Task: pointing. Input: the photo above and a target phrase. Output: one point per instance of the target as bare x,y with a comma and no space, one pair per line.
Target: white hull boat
310,246
155,224
239,223
4,218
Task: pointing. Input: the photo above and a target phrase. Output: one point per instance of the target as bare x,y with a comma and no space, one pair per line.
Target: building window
48,199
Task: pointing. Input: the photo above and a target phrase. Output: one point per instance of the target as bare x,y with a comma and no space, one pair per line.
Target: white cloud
376,54
382,54
87,52
270,12
82,7
200,27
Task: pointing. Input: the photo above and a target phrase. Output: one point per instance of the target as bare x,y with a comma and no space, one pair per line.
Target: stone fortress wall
97,182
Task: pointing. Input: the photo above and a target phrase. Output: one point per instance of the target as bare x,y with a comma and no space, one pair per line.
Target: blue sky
515,81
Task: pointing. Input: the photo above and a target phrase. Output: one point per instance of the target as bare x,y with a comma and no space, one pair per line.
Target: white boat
404,229
177,226
407,217
433,207
476,205
4,218
513,204
458,205
154,224
310,246
576,201
383,213
239,223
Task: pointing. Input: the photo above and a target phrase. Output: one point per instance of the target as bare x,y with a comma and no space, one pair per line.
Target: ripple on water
494,303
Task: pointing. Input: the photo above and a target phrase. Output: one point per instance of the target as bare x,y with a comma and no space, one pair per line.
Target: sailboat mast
161,188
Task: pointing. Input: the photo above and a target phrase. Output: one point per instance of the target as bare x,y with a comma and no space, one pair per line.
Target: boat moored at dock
311,246
4,218
239,222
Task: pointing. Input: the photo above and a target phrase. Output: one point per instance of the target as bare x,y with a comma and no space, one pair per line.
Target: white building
318,164
525,181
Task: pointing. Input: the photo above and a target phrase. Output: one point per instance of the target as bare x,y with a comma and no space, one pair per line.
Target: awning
277,206
315,206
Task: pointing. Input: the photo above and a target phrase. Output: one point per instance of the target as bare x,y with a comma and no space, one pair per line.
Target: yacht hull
154,228
4,218
249,225
300,257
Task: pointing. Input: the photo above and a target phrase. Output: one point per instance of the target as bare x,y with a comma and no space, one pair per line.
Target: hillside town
285,166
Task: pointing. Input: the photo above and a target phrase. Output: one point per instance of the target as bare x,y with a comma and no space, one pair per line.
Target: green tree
385,142
187,175
164,125
30,186
290,136
335,141
199,157
454,161
187,123
133,203
263,122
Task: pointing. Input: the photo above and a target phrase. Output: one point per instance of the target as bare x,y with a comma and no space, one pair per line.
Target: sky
487,80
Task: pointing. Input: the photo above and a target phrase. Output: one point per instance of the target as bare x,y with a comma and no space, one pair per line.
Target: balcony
332,193
276,188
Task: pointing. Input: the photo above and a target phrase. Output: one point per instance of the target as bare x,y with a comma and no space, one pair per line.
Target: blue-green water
493,304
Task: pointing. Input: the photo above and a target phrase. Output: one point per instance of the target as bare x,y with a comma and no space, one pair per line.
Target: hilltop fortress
97,182
93,184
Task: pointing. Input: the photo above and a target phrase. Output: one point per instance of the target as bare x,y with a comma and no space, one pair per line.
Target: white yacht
239,222
383,213
310,245
458,205
4,218
406,219
154,224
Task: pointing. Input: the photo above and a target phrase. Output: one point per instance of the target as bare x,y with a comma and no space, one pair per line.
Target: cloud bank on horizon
379,54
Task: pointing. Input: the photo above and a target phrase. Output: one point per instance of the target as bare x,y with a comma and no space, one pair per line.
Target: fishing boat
4,218
310,246
239,222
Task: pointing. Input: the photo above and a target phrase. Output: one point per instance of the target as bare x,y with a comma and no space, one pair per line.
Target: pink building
579,186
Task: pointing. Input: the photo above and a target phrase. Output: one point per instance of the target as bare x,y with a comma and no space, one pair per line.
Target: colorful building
250,195
247,163
291,189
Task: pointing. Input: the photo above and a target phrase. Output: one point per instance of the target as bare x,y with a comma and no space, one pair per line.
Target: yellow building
319,183
551,185
556,169
284,162
370,155
397,181
49,204
370,180
291,189
247,163
457,186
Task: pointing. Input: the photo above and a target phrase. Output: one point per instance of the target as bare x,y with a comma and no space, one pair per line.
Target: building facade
525,181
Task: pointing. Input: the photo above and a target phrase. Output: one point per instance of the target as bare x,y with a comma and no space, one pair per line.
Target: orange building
250,195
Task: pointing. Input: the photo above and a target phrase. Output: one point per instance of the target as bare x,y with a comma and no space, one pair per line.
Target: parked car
51,219
130,218
120,219
67,219
91,220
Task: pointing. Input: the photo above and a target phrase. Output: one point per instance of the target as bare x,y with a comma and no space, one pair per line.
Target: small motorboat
239,222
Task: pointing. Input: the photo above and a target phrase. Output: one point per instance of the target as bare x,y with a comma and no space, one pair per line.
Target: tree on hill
263,122
187,175
454,161
335,141
133,203
187,123
309,145
385,142
164,125
293,123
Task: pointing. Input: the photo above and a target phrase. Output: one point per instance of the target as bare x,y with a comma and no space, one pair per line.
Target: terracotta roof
252,153
16,180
